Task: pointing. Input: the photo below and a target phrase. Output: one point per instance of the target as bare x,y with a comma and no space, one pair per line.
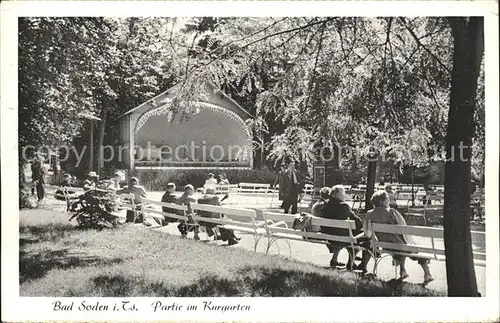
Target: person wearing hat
91,182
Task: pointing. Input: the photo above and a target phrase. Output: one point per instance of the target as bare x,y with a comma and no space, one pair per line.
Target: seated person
91,182
392,197
337,209
382,213
211,181
318,207
186,199
139,193
114,184
169,197
224,181
212,199
67,181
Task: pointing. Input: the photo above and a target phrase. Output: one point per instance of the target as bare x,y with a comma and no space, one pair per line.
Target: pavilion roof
172,89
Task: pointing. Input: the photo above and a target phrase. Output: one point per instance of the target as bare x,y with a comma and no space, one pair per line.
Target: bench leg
256,239
377,262
270,241
289,247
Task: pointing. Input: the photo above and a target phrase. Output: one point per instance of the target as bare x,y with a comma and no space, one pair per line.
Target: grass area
56,259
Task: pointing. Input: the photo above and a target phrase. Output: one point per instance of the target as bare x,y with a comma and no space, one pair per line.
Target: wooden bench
69,194
356,195
241,220
278,226
308,194
253,188
431,251
437,188
226,189
181,216
347,187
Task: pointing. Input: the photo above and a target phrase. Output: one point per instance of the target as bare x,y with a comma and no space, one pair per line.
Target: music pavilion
212,135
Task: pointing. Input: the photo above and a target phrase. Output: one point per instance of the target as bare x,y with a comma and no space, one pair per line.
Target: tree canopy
308,81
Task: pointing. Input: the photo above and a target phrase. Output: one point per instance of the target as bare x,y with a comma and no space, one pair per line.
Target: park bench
158,214
347,187
67,194
308,194
278,226
355,195
241,220
430,251
226,189
440,188
260,192
253,188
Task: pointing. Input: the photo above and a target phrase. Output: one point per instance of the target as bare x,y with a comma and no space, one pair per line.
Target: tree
383,74
55,58
468,40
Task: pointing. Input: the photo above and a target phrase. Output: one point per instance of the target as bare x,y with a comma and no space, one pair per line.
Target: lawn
57,259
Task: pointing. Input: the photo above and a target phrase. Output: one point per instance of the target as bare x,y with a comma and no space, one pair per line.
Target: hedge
157,179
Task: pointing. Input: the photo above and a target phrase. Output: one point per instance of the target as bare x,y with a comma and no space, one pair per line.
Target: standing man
291,188
279,181
38,177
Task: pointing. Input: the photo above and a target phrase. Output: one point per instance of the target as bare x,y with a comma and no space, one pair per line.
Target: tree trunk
370,183
467,57
91,146
100,144
412,177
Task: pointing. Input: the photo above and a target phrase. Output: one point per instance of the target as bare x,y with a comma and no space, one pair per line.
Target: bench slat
406,229
315,235
224,210
169,205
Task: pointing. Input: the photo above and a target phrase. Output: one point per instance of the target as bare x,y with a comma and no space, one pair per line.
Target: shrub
93,210
157,179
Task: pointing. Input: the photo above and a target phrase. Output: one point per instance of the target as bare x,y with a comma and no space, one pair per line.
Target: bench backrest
434,196
253,188
232,216
54,188
229,188
182,215
273,220
426,232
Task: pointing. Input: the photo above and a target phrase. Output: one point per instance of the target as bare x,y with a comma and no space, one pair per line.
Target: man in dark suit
212,199
169,197
291,180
